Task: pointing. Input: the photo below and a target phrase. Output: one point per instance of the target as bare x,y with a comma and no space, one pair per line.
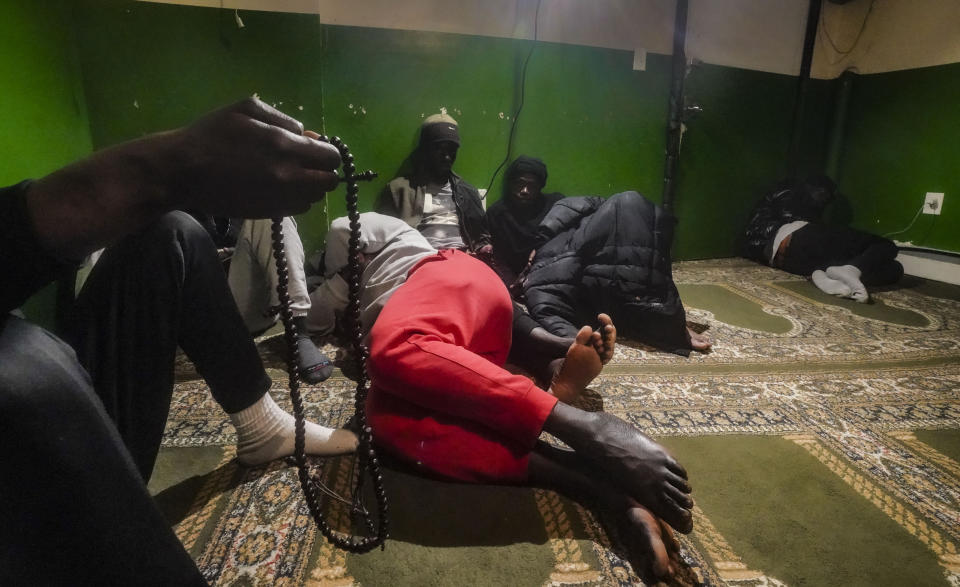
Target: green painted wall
736,148
598,124
44,125
902,140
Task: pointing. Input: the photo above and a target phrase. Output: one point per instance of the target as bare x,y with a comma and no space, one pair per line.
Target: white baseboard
930,265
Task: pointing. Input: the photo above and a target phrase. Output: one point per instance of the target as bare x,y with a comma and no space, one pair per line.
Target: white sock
851,276
265,432
834,287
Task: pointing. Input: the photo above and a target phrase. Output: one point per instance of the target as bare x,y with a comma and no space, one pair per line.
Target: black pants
525,350
818,246
80,436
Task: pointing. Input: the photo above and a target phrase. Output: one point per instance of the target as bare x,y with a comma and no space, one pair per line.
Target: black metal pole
841,104
796,135
675,114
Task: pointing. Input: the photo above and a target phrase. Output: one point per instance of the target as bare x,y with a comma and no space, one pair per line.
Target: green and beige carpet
822,439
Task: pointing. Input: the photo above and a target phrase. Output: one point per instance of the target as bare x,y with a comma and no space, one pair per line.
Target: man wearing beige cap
433,199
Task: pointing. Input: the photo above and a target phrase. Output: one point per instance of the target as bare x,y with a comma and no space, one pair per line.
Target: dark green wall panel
737,147
45,122
44,125
597,123
902,140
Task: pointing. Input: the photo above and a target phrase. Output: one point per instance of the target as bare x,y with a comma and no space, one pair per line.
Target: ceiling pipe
675,113
799,104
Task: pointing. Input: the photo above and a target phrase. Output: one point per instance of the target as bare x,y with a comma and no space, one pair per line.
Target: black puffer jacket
608,255
785,203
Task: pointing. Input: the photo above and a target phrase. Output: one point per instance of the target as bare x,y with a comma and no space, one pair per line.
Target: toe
678,497
649,528
584,336
678,517
678,482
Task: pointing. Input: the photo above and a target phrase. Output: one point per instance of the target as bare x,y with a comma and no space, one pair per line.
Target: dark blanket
608,255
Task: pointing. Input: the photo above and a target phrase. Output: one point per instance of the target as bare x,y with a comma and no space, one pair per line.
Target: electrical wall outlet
933,203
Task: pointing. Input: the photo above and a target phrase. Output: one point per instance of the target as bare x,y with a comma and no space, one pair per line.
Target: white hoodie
391,248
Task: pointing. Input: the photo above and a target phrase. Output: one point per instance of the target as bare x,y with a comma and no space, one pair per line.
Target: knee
175,233
177,226
42,382
177,241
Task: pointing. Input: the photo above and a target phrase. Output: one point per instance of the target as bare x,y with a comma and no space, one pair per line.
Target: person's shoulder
463,184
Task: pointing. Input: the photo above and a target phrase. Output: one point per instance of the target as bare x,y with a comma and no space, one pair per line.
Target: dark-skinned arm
246,160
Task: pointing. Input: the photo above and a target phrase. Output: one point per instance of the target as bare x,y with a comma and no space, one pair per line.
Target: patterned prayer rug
822,439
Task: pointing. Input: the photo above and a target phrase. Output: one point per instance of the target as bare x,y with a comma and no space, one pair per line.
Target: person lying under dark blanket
581,256
786,231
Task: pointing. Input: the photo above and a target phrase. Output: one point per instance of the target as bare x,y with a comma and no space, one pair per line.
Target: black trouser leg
73,507
149,293
818,246
878,263
532,347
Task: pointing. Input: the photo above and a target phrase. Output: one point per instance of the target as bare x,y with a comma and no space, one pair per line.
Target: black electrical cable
523,85
863,25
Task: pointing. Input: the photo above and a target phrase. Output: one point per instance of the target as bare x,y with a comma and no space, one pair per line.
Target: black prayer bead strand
366,454
290,336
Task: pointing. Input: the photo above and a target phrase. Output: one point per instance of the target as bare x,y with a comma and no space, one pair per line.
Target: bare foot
700,342
605,340
649,535
579,367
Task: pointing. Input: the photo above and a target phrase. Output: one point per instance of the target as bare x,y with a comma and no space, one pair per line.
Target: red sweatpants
440,398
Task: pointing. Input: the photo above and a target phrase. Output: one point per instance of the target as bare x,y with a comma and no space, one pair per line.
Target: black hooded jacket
608,255
785,203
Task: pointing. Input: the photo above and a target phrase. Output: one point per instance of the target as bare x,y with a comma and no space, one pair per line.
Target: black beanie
531,165
439,127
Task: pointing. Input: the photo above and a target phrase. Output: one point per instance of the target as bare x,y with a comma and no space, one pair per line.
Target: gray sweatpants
253,273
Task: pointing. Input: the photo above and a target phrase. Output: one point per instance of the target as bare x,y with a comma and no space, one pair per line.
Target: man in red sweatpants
441,401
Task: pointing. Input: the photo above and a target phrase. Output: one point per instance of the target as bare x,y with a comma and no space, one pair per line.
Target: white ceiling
763,35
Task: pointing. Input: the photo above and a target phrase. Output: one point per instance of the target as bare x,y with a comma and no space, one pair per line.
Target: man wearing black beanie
514,219
447,210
